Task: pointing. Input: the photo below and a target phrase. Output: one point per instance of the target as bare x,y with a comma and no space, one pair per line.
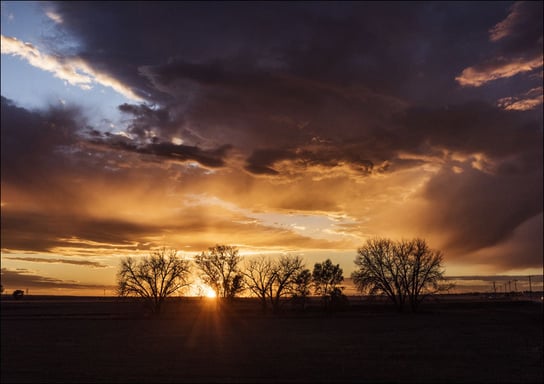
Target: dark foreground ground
93,340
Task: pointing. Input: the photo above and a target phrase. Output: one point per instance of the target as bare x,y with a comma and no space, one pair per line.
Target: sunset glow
210,293
186,126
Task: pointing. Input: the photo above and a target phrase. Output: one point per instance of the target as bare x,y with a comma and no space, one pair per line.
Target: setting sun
209,293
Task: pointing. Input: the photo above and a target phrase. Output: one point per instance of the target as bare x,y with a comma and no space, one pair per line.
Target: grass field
105,340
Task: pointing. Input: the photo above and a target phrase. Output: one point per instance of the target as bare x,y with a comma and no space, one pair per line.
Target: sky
289,127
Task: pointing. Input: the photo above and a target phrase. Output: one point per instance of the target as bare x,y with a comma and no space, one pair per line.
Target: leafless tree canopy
259,273
155,277
272,279
405,271
219,267
287,269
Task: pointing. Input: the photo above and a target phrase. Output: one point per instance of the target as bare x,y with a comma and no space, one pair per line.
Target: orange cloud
498,69
525,102
506,27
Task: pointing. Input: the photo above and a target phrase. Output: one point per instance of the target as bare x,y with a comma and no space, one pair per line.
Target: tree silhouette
287,269
422,273
325,277
259,273
272,280
219,267
403,270
301,287
379,271
154,277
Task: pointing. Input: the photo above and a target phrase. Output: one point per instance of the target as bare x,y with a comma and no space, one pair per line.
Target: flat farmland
197,340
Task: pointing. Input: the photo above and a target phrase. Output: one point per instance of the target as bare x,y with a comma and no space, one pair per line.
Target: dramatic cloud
73,70
518,40
498,69
524,102
280,128
466,206
45,233
521,26
177,152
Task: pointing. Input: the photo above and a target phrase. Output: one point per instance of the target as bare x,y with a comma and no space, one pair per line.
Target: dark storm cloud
270,79
182,153
403,49
500,183
516,43
254,75
146,33
43,149
472,128
520,33
480,210
212,158
144,118
262,161
32,142
511,138
44,232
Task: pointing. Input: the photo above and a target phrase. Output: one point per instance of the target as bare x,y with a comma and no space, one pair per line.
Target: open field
107,340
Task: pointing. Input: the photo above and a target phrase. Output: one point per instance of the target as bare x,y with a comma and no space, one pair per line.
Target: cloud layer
286,127
518,51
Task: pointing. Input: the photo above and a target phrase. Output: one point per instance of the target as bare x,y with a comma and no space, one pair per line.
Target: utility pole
516,286
530,287
494,289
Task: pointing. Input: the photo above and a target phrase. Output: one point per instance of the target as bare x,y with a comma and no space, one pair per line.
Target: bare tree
272,279
422,271
287,269
154,278
259,273
378,271
219,267
404,270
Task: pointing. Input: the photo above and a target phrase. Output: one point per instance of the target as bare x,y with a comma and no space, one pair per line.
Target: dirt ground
107,340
